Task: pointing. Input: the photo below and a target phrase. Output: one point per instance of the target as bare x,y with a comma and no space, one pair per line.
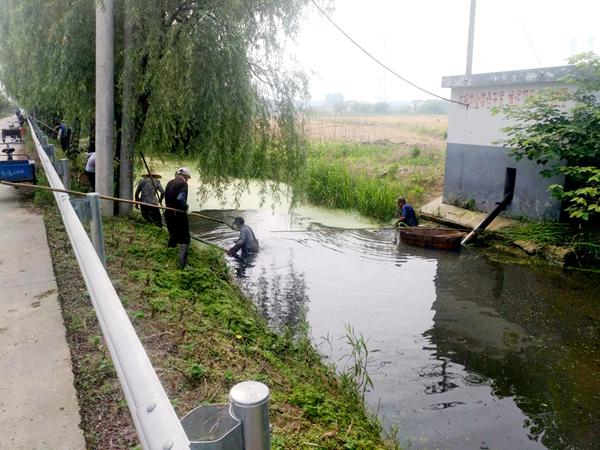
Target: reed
331,184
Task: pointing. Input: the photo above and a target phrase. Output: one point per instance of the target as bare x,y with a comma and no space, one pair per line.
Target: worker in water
149,190
177,221
246,241
405,214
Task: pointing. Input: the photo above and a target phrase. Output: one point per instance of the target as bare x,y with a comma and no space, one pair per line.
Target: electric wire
530,42
379,62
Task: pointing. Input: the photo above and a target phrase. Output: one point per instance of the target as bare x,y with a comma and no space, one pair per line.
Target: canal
465,352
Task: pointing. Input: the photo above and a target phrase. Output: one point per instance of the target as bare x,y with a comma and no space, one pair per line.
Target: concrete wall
476,162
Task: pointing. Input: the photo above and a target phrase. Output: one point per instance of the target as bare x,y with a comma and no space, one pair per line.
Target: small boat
438,238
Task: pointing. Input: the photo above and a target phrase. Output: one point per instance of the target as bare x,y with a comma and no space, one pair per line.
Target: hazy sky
424,40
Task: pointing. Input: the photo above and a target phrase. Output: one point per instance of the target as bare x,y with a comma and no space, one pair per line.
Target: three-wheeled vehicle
16,168
13,132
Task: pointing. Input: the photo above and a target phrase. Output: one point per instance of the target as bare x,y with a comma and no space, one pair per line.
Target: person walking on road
149,190
177,222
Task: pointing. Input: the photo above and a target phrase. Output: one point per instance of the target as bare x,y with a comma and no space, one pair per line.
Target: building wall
476,161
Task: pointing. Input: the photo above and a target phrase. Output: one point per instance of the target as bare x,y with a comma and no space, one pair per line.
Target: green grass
368,178
585,242
424,130
211,337
334,186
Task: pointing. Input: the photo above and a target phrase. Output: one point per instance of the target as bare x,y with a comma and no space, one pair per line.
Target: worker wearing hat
149,190
177,222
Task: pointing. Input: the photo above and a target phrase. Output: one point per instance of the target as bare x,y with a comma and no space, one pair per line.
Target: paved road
38,403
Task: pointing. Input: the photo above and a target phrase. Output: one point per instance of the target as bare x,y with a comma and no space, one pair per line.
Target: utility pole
104,102
470,39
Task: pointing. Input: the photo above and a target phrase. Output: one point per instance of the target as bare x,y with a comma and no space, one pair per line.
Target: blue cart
16,168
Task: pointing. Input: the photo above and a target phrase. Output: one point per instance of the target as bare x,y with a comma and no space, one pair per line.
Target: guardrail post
250,405
51,154
45,142
63,170
96,225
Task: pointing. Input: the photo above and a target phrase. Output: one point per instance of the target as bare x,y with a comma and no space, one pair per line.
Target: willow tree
204,79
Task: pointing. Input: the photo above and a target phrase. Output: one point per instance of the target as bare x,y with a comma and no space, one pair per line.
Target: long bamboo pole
332,230
108,197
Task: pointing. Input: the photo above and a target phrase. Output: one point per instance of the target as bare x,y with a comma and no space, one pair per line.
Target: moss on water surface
202,336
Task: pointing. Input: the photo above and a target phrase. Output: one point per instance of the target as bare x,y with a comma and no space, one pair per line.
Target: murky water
465,352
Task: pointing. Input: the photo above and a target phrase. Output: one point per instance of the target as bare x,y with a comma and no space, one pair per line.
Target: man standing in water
150,191
247,242
177,222
405,214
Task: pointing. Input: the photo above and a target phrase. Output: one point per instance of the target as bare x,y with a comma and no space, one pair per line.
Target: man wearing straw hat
150,191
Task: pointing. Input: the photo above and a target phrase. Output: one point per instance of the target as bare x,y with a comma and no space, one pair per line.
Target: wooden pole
108,197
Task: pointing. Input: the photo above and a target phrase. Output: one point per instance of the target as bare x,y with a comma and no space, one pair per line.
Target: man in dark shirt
405,214
177,222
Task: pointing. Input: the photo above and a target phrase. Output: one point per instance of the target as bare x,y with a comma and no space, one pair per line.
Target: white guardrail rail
153,415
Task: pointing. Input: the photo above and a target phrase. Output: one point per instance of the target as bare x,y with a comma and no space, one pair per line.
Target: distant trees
335,103
560,130
204,78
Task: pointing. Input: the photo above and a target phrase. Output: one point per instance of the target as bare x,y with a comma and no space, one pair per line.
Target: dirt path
38,403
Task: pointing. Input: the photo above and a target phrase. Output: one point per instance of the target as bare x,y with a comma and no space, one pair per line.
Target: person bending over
150,191
405,214
246,241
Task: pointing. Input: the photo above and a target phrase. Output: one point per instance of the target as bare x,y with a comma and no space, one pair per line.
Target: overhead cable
379,62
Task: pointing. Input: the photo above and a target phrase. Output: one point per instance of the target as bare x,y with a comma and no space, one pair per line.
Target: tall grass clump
333,185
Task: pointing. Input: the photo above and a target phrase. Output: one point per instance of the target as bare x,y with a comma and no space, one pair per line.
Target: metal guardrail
155,420
243,424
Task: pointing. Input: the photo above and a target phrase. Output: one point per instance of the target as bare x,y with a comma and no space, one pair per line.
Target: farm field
398,129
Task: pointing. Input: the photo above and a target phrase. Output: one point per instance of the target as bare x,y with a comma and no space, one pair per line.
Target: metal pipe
250,405
490,217
155,420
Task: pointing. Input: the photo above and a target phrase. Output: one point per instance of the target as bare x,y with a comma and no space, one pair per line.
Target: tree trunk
128,115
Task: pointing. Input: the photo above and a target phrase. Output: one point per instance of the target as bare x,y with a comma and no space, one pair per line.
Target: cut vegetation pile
202,337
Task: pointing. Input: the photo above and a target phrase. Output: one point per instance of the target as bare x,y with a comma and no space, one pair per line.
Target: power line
530,42
379,62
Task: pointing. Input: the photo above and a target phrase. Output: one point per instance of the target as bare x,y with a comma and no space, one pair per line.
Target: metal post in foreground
96,225
63,169
45,142
250,405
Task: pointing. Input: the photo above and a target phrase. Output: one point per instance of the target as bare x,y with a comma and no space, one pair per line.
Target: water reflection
242,263
521,331
282,299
